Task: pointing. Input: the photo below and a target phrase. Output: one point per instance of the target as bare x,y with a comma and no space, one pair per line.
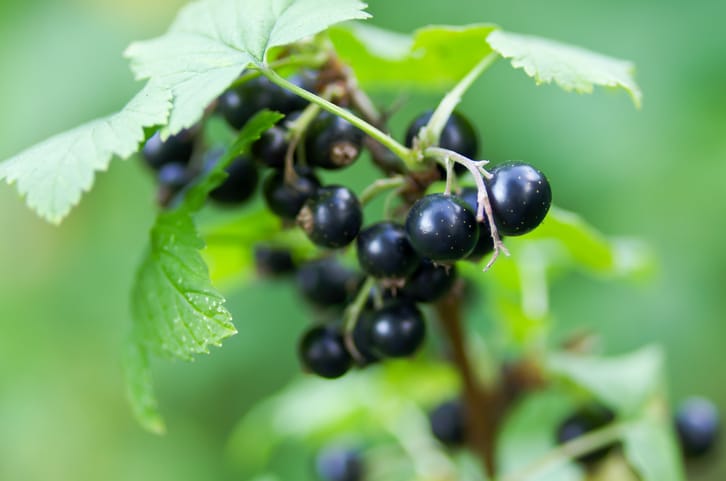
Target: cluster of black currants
411,257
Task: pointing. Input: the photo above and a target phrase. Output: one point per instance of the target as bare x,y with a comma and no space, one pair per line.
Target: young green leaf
212,41
54,174
651,448
572,68
140,388
433,58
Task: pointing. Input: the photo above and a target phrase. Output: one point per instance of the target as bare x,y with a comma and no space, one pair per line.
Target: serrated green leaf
212,41
140,388
54,174
433,58
625,383
651,448
570,67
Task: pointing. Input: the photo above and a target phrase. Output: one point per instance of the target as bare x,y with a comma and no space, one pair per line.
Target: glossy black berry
520,196
176,149
397,330
337,464
430,282
326,282
458,135
332,142
697,424
239,104
322,351
385,252
270,149
448,423
442,228
240,184
173,176
485,245
583,421
286,199
273,261
362,339
331,217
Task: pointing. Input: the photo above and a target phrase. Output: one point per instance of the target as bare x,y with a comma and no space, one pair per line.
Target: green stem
380,186
571,450
430,134
401,151
352,313
300,60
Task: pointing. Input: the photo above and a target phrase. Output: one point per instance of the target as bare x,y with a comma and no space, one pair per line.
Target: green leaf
570,67
212,41
140,388
651,448
625,383
54,174
433,58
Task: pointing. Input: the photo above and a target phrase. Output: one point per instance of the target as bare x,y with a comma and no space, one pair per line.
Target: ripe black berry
173,176
176,149
271,261
430,282
520,196
458,135
397,330
442,228
239,104
271,148
586,419
385,252
448,424
331,217
286,200
485,245
326,282
697,424
335,464
332,142
240,184
362,339
322,351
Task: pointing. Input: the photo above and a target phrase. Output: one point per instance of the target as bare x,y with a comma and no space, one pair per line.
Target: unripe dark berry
271,148
286,199
442,228
239,104
385,252
272,262
322,351
448,423
176,149
485,245
520,196
240,184
332,142
326,282
397,330
331,217
586,419
697,424
430,282
336,464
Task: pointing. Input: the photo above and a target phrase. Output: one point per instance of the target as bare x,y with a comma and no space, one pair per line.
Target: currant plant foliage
215,46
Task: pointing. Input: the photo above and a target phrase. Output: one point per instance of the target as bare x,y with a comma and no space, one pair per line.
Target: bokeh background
658,174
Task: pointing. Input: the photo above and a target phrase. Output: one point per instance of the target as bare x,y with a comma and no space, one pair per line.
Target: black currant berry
583,421
239,104
442,228
430,282
485,245
326,282
331,217
271,148
240,184
362,339
458,135
285,200
448,424
176,149
397,330
273,262
332,142
336,464
697,424
323,352
174,176
385,252
520,196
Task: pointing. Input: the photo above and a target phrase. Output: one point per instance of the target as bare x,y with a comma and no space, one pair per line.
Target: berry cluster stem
352,313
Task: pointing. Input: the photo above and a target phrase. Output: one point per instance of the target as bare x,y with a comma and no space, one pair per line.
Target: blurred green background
657,174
